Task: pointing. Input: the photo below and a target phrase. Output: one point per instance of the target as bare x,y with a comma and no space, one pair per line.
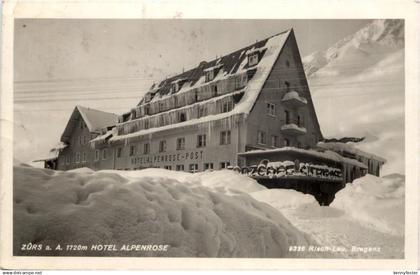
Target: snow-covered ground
209,214
368,213
153,207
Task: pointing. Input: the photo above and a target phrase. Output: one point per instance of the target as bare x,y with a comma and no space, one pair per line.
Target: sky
110,64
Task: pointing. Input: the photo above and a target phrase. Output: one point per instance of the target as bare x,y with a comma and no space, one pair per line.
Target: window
161,121
240,81
84,157
224,137
180,143
147,109
77,157
274,141
214,90
104,154
179,167
253,59
133,150
287,63
224,165
182,117
193,167
67,160
79,140
202,111
119,152
287,84
300,121
271,109
85,139
167,167
208,166
227,106
286,142
174,87
261,137
146,124
96,155
162,146
161,107
287,116
146,148
82,124
201,141
209,75
195,95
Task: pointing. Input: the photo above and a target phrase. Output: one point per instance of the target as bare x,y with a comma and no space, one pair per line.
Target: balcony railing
293,129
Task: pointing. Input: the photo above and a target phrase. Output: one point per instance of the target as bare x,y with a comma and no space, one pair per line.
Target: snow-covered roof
349,148
105,136
329,155
53,153
94,119
231,65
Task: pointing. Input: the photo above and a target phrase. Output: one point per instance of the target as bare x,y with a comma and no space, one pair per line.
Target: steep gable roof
227,66
94,119
224,66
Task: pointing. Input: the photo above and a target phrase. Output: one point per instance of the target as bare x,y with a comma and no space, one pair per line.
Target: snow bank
376,202
285,198
147,207
229,182
17,162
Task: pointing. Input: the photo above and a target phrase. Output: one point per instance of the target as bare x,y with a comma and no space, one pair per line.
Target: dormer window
174,87
147,98
209,75
253,59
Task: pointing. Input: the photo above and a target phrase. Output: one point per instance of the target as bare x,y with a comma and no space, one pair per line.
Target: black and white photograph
209,135
196,138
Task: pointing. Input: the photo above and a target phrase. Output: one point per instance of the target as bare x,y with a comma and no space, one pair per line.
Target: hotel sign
161,158
294,170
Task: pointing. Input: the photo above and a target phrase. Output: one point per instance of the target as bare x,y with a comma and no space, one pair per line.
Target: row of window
193,167
225,139
271,111
78,158
262,139
82,140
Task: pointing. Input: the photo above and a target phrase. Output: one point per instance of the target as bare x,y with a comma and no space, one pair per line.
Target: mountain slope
375,39
358,89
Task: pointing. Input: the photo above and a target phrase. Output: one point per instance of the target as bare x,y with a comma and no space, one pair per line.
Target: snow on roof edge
330,155
346,147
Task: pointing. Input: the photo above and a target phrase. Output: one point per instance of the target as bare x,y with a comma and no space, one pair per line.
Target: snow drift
146,207
366,214
376,202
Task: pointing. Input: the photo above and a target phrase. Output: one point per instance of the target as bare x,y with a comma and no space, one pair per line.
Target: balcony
292,129
294,100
